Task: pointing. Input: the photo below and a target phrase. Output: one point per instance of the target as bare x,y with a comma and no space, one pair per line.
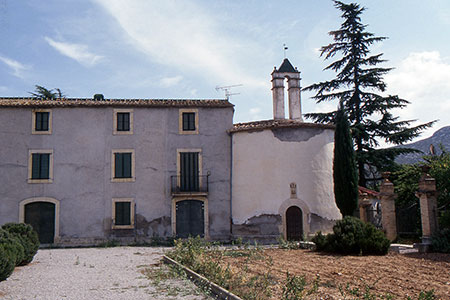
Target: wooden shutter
189,171
123,213
126,165
123,121
45,166
35,166
189,121
118,165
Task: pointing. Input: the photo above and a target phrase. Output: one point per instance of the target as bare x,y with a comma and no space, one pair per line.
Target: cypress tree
356,84
344,167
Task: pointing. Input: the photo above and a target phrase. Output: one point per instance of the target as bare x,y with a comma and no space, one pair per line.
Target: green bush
440,241
12,245
7,263
27,237
353,236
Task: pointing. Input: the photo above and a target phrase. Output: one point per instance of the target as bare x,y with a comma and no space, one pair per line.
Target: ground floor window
123,213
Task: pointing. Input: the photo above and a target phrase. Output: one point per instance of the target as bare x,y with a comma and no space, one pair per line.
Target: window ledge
133,179
40,180
122,227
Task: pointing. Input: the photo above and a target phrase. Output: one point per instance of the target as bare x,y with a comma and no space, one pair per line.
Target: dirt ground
398,275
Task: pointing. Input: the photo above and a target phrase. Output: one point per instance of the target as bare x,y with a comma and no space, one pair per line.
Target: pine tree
345,173
357,82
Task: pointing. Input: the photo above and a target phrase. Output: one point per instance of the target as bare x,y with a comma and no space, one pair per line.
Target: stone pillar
294,94
387,197
428,205
278,95
364,203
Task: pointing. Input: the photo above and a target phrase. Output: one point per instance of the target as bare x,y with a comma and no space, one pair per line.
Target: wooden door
190,218
294,224
41,215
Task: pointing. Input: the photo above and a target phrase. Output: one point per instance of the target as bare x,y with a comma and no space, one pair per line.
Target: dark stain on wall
295,134
265,224
160,227
319,223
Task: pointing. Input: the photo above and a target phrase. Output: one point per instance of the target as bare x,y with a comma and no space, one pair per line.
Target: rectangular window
40,166
41,123
188,121
123,216
123,121
123,213
122,165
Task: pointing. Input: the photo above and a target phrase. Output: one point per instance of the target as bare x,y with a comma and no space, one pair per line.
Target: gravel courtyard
94,273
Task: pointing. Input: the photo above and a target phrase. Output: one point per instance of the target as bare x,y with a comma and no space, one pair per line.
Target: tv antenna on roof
227,88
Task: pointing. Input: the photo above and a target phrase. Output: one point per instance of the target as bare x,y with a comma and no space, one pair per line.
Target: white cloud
17,67
78,52
182,35
255,113
423,78
170,81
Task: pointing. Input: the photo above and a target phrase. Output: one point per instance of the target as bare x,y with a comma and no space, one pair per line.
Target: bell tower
286,70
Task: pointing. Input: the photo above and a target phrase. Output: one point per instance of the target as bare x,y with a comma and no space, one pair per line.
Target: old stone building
83,171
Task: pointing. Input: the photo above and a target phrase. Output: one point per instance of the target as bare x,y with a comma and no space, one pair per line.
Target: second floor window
40,168
123,165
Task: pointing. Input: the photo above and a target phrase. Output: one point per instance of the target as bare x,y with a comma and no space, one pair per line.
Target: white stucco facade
267,161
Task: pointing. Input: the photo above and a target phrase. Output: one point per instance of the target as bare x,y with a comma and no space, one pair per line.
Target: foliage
13,246
344,167
46,94
27,237
406,178
7,263
359,77
294,287
440,241
353,236
207,259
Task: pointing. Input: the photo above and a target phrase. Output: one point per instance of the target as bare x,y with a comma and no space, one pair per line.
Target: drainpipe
231,185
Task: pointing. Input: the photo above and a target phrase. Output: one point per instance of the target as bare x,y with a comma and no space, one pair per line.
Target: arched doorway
294,224
41,215
190,218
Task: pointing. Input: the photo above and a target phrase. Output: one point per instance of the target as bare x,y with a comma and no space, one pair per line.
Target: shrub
7,263
440,241
353,236
27,237
12,245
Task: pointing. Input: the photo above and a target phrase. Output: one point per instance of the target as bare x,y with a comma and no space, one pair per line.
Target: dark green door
41,215
190,216
294,224
189,172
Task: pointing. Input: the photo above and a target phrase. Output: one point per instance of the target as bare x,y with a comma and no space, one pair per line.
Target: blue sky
184,49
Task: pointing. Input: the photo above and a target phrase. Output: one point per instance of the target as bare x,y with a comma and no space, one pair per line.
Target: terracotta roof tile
81,102
363,190
281,123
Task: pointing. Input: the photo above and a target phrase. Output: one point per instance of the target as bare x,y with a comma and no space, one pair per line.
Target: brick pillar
387,197
428,205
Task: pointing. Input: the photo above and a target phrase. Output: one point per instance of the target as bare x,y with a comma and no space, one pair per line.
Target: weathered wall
82,142
265,162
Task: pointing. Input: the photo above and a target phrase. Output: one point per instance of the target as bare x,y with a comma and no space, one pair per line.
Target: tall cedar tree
357,82
345,173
